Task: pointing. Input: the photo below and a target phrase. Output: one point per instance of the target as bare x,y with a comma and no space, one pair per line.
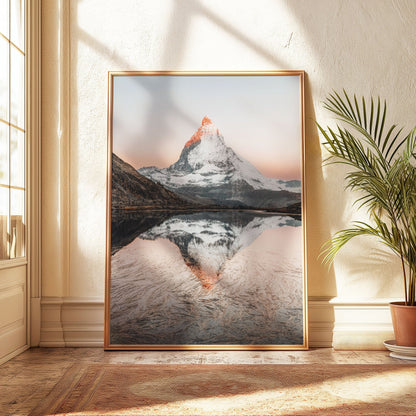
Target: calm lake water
232,277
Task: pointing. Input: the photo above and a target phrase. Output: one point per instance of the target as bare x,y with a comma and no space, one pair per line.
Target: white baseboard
361,324
72,322
343,324
320,321
13,354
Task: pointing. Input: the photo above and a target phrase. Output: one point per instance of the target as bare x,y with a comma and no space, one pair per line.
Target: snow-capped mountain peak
210,169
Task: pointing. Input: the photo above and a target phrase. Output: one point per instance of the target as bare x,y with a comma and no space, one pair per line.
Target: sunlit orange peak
206,120
197,135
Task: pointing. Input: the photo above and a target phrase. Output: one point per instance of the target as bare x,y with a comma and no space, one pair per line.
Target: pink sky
259,117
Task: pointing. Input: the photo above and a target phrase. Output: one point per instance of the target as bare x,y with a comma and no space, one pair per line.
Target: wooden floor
27,379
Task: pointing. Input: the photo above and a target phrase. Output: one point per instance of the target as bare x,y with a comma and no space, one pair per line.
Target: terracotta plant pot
404,323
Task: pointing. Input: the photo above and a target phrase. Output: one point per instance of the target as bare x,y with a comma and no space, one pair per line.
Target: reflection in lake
231,277
207,240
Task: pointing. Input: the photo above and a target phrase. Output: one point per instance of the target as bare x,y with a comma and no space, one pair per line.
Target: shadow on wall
319,216
363,268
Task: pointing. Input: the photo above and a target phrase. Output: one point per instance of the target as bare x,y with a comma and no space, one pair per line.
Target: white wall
366,47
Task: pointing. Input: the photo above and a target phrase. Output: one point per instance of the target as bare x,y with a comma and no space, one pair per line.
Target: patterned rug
233,390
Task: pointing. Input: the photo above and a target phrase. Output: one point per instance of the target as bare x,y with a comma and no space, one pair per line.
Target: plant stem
404,276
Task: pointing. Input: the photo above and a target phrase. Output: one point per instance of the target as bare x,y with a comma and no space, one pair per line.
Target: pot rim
401,305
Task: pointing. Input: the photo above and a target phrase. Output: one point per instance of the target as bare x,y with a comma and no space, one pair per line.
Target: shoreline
132,210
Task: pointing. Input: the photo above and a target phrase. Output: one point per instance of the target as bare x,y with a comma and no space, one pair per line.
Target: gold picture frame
205,241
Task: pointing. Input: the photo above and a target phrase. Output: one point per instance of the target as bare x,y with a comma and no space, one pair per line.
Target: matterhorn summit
204,150
210,172
206,131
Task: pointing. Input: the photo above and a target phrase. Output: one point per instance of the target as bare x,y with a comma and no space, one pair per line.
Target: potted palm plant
382,170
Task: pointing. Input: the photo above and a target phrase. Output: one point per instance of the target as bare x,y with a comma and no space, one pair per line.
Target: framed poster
205,218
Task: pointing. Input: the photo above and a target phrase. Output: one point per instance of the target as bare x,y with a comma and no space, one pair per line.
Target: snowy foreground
156,299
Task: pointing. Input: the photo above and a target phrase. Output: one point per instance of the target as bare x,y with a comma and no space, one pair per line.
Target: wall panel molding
55,149
13,312
34,168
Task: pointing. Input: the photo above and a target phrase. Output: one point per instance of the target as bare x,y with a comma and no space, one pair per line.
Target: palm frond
383,171
369,126
330,248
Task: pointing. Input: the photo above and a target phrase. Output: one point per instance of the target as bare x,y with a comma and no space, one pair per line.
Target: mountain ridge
131,189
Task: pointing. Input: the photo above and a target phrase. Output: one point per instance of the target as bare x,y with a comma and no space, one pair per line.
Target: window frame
23,259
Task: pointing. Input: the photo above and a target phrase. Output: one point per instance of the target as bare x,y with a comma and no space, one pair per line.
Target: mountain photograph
206,220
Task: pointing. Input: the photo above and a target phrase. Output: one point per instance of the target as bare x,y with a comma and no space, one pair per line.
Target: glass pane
17,88
4,223
17,23
4,17
4,79
4,154
17,158
17,223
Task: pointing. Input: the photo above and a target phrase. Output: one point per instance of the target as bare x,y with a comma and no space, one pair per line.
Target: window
12,129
